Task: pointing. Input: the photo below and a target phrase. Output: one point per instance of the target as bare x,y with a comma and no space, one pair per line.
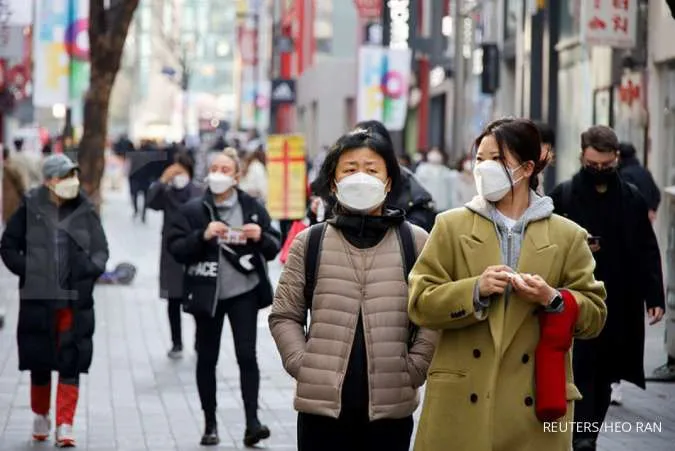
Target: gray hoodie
510,240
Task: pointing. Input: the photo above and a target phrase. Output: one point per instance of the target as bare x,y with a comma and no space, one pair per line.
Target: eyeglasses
601,166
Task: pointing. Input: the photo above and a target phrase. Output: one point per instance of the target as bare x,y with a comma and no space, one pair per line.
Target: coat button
474,398
529,401
526,358
476,353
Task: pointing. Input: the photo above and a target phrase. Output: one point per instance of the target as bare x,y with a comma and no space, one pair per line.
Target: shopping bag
297,227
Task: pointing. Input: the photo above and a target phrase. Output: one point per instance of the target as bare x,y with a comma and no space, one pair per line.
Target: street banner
61,51
610,23
383,84
287,172
263,105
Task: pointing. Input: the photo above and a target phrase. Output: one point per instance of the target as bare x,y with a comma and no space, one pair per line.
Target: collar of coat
249,205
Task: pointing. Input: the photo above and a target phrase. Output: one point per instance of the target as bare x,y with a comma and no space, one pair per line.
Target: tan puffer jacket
320,363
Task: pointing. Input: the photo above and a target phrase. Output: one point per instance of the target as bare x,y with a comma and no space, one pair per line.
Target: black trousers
595,384
243,315
319,433
174,308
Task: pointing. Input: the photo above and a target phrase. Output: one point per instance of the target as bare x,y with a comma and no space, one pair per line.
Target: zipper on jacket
509,240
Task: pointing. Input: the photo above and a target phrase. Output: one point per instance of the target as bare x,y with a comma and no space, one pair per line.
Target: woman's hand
494,280
252,232
215,229
170,172
533,288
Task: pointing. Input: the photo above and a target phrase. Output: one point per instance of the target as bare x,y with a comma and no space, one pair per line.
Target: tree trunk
107,34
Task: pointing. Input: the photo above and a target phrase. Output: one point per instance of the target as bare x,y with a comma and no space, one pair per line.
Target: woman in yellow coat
482,279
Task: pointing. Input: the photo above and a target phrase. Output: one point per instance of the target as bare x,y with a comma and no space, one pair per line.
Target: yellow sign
287,171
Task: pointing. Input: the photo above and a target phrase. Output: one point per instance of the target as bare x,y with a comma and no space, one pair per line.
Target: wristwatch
556,302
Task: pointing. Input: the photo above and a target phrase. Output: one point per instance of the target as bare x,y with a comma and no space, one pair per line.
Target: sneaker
64,436
41,428
176,352
210,437
617,396
255,434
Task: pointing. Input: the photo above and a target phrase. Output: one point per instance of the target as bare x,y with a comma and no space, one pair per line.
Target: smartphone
593,240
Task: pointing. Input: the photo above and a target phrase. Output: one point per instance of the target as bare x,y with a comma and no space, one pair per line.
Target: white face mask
435,158
180,181
361,193
492,181
219,182
67,188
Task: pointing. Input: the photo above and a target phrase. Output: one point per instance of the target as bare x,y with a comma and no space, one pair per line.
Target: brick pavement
135,398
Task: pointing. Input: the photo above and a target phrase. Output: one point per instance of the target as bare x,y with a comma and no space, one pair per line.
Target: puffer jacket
319,363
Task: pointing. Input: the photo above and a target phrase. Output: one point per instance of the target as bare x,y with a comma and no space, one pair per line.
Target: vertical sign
287,170
77,46
610,22
51,58
384,78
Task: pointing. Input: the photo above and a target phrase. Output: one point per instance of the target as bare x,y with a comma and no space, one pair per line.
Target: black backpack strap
312,249
567,198
409,251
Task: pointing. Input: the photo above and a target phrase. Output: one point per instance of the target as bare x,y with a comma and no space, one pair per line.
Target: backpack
313,247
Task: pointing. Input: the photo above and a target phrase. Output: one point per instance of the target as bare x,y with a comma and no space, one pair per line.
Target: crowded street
135,398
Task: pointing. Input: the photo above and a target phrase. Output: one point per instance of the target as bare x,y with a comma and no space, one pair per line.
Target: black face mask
599,176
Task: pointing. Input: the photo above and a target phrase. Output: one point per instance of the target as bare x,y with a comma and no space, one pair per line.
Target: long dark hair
521,138
355,139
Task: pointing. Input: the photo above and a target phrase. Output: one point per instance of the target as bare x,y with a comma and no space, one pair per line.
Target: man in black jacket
633,172
224,239
57,247
628,262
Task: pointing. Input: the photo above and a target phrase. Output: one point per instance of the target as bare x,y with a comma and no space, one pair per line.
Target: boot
210,437
255,433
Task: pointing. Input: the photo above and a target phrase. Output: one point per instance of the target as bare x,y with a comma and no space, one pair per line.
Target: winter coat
13,189
629,263
163,197
480,389
440,181
53,277
633,172
412,198
320,363
185,239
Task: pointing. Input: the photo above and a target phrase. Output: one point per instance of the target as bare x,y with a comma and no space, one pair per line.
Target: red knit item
40,398
555,340
66,402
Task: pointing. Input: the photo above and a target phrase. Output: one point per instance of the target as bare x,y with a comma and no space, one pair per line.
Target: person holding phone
225,239
489,274
628,262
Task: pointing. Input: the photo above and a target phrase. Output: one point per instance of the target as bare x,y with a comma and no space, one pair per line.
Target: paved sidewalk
135,398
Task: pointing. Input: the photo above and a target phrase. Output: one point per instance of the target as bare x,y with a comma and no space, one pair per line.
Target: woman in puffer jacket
361,363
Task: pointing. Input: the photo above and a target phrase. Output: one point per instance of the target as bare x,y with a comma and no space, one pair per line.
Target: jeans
243,315
174,308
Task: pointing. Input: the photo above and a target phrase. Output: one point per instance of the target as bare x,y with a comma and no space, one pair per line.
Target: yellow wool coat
480,389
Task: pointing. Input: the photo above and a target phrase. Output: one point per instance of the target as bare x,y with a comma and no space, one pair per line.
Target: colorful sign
61,51
383,85
287,171
610,23
369,9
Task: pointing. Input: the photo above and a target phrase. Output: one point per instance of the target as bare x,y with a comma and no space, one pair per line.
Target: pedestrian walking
225,239
360,363
57,247
465,186
508,283
628,262
174,188
438,179
254,175
633,172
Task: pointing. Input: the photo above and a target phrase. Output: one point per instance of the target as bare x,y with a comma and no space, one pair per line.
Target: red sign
369,9
248,45
610,23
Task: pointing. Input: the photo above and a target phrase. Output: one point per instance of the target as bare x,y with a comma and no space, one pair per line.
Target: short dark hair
627,150
353,140
546,133
376,127
185,160
601,138
521,138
